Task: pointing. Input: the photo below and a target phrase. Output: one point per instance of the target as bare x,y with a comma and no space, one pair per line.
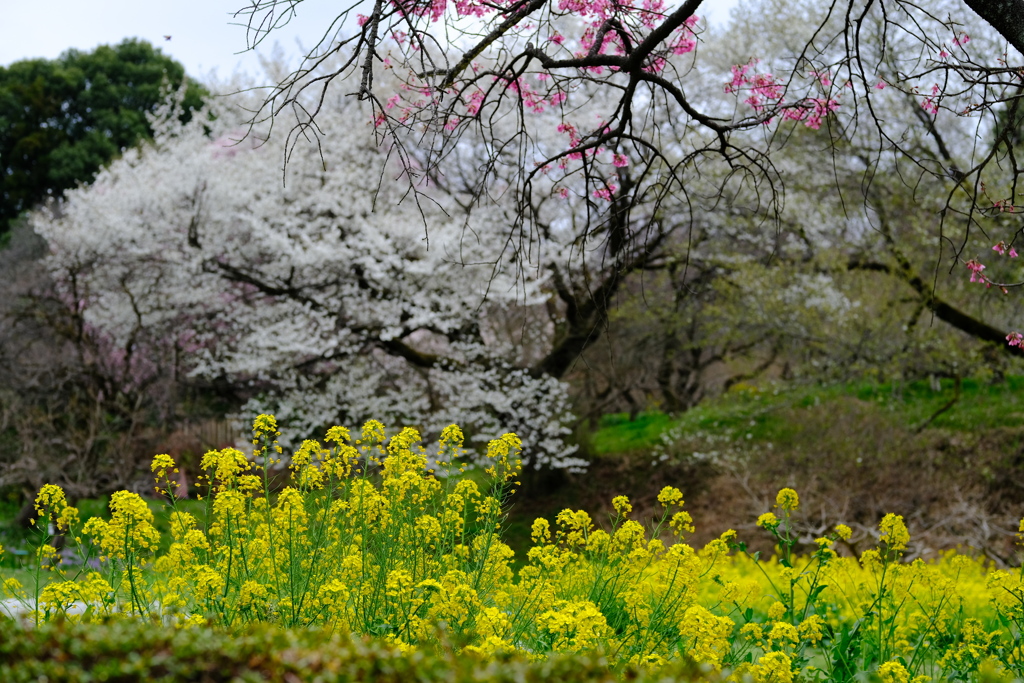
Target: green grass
618,434
765,412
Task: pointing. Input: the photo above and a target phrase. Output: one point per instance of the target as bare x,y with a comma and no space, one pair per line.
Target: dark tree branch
1005,16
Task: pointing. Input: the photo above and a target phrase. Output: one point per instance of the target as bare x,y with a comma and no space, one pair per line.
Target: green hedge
135,650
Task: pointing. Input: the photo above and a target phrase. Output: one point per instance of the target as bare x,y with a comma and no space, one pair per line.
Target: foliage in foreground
69,651
368,541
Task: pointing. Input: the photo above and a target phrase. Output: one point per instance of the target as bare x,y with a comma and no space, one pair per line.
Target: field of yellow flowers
368,539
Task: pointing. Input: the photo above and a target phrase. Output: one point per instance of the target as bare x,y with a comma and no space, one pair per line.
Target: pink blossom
823,77
1015,339
620,161
739,76
574,138
466,8
685,41
1013,253
930,106
434,9
822,108
976,268
563,193
794,113
1000,248
605,193
943,54
361,19
763,88
393,101
475,100
880,85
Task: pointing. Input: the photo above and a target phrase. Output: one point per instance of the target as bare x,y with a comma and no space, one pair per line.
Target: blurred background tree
62,119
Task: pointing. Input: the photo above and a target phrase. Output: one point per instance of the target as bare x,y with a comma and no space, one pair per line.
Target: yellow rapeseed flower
768,520
209,583
811,629
162,464
708,635
774,667
844,532
338,435
373,432
787,500
776,611
575,625
451,436
893,672
12,587
681,523
894,532
621,505
50,497
130,529
575,527
51,501
783,633
265,425
540,532
670,496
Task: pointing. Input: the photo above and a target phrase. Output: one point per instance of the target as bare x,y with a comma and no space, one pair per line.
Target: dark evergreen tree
62,119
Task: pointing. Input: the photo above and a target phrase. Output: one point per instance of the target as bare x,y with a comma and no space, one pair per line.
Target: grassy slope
854,452
761,412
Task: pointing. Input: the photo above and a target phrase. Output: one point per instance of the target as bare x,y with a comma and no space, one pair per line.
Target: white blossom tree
321,295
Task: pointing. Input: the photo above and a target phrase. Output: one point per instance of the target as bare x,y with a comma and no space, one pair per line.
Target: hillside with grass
947,455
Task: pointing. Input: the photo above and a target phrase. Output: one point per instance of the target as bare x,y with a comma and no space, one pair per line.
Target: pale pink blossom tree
617,75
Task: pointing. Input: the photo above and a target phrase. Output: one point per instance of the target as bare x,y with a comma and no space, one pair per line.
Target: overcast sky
202,34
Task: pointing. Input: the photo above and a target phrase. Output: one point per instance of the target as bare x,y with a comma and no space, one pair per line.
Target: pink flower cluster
811,116
418,8
763,88
931,103
1015,339
1002,248
534,100
976,268
681,42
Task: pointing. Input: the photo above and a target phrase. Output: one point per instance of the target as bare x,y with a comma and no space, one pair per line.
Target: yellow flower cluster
129,532
367,538
52,504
